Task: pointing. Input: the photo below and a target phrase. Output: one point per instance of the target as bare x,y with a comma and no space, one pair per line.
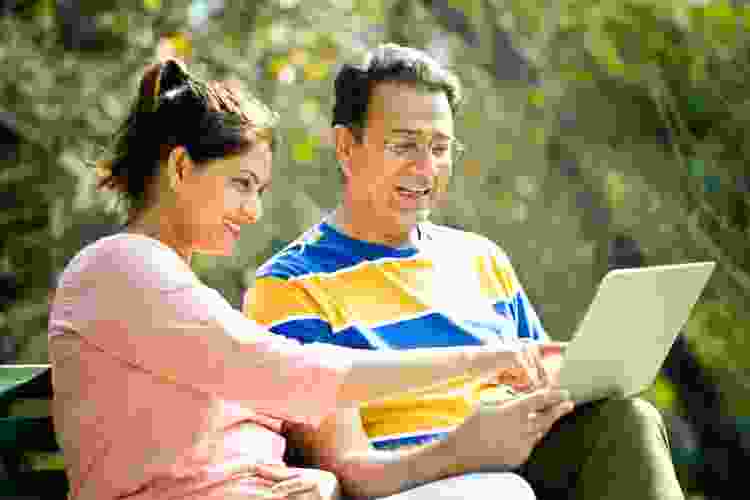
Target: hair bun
173,75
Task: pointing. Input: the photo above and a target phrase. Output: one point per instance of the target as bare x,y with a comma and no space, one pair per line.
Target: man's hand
535,366
505,433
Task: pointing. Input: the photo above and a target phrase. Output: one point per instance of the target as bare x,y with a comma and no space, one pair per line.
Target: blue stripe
333,252
432,330
348,337
305,330
529,326
395,443
503,309
310,330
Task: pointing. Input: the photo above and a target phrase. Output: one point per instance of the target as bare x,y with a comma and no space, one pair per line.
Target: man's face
403,164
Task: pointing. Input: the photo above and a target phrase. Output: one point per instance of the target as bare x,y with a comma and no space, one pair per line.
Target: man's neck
341,220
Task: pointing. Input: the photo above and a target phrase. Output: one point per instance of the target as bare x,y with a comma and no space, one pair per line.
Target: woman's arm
375,374
138,302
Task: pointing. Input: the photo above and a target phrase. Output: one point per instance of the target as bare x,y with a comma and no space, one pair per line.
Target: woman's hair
212,120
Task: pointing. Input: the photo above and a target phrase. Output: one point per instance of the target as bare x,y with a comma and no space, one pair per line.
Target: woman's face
221,197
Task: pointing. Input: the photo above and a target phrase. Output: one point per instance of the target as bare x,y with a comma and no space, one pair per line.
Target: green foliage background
627,117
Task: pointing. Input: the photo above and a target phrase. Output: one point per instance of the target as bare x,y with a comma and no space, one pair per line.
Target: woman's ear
179,167
344,140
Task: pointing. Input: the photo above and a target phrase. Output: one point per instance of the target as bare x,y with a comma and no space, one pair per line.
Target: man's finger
544,379
547,419
542,399
529,360
552,348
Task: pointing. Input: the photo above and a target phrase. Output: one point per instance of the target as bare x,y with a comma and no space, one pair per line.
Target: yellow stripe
273,299
496,281
441,406
369,294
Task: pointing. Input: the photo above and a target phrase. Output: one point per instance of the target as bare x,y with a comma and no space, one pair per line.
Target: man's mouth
413,193
233,228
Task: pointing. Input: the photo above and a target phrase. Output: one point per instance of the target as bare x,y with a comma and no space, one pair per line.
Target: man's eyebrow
411,132
404,131
255,177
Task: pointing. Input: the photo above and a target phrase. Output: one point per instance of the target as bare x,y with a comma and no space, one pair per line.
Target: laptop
629,328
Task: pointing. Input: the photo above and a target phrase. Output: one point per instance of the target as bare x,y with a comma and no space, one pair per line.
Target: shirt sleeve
287,309
528,324
143,305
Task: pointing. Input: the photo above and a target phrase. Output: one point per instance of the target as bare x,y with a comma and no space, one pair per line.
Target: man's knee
636,409
511,485
630,414
518,486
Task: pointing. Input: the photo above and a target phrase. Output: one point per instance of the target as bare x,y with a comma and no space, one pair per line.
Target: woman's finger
295,487
275,472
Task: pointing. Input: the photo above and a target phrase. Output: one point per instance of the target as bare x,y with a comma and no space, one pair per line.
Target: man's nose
425,162
252,210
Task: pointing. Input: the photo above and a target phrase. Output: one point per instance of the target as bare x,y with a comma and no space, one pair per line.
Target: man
377,274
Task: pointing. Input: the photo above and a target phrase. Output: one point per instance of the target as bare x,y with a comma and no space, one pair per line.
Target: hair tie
105,178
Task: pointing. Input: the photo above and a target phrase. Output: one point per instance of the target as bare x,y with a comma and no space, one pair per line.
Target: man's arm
341,446
494,437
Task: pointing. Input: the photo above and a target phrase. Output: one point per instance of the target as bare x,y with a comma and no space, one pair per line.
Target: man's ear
179,166
344,143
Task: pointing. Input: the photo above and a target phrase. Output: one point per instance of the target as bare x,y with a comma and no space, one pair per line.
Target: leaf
304,152
152,5
616,188
662,394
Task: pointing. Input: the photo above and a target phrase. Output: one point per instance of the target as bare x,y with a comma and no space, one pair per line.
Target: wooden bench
30,459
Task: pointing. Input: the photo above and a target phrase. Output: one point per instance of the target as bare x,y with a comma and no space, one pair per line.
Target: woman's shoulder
127,256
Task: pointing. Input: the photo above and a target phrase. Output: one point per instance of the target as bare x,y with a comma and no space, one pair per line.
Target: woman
162,390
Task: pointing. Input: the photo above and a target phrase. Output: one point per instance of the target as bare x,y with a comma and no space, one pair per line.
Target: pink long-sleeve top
161,388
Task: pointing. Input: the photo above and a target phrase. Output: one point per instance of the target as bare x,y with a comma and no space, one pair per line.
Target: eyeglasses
410,148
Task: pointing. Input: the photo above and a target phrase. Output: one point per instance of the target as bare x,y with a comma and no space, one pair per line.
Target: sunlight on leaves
304,152
152,5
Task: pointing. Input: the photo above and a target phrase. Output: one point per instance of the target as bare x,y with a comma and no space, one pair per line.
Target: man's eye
440,149
243,184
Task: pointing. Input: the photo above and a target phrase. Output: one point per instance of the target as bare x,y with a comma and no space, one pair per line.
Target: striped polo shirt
451,288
